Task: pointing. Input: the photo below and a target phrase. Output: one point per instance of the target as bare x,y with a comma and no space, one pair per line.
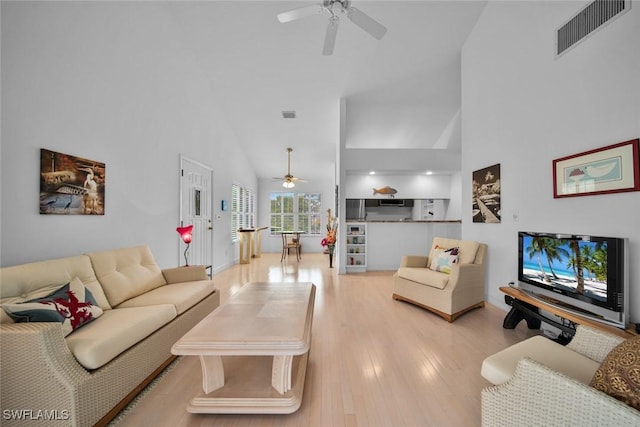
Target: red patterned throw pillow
73,305
619,373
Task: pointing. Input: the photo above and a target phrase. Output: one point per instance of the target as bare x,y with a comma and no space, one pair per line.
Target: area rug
127,410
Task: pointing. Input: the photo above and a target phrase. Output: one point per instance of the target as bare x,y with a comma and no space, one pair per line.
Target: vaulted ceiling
401,92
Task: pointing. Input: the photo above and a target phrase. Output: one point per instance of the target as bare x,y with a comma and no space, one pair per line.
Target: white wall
405,159
309,243
112,83
522,108
388,242
408,186
454,210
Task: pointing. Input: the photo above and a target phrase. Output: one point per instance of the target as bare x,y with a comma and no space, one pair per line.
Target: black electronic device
585,274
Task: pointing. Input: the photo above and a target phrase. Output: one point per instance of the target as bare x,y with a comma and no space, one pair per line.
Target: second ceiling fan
335,8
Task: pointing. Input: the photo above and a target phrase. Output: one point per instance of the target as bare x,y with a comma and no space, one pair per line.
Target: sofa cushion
424,276
619,373
73,305
126,273
468,248
117,330
443,259
183,295
501,366
38,279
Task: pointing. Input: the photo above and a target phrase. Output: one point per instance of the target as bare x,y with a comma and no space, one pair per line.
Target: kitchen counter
409,221
389,240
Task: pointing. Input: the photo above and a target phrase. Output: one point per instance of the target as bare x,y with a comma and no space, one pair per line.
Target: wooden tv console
525,307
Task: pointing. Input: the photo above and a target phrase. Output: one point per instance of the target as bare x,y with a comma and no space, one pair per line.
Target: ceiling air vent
288,114
595,15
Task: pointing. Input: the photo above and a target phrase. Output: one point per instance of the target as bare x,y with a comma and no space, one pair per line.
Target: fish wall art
388,191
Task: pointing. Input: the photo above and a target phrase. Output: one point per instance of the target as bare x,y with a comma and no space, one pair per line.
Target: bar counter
388,240
410,221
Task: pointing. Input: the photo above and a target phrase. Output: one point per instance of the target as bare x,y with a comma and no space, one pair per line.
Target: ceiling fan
289,181
335,8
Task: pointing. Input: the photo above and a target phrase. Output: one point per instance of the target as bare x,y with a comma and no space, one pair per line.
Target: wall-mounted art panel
70,185
485,189
611,169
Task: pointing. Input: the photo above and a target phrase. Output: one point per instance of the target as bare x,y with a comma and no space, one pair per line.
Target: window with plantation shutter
242,209
291,211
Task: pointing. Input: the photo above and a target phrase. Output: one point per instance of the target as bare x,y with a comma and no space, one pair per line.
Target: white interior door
196,204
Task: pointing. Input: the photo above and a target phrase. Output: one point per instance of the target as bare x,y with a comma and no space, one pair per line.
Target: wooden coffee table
253,350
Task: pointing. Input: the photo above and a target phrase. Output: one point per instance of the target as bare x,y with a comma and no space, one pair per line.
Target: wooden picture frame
71,185
611,169
485,192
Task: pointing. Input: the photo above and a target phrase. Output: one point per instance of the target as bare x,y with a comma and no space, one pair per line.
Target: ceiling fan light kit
336,8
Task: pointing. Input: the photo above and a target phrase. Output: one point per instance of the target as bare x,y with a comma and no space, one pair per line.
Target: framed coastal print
611,169
485,190
70,185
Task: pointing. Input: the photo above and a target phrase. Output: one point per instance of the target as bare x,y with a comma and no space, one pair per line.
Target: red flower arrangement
332,231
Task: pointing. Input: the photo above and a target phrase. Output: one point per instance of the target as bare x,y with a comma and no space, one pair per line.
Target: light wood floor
373,362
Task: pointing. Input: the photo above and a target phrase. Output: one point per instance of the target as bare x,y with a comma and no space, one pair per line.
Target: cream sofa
542,383
447,294
86,377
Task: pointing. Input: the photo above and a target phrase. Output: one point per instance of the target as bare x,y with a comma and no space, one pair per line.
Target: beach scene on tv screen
570,265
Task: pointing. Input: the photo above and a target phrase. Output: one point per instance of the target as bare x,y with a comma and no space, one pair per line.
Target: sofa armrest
414,261
593,343
188,273
38,370
467,275
539,396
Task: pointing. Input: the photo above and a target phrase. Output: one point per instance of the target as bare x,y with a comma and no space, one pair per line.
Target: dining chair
290,241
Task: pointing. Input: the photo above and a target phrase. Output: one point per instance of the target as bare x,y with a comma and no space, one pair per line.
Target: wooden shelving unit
356,248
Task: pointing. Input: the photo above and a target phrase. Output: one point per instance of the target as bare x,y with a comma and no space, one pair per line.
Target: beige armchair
447,290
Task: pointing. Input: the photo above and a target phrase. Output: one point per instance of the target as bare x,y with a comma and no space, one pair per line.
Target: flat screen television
584,274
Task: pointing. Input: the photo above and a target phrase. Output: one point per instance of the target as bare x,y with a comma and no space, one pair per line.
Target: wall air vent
594,16
288,114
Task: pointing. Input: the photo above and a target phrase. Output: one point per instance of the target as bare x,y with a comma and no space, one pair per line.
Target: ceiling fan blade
301,12
366,22
330,36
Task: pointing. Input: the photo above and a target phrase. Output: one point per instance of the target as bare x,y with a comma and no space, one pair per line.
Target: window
242,209
295,211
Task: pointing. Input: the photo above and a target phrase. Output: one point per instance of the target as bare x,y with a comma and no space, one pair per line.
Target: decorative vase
331,249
